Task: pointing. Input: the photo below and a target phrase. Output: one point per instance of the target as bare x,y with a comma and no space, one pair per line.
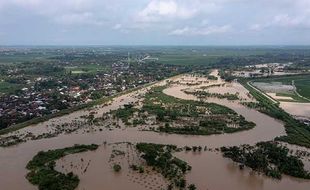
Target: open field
7,59
92,68
224,56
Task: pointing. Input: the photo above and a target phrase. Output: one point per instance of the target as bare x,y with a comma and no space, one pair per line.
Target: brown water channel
210,170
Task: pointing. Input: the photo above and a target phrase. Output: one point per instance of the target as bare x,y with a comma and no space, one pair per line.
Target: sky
154,22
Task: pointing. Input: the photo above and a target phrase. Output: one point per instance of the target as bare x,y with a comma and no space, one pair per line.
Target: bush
117,167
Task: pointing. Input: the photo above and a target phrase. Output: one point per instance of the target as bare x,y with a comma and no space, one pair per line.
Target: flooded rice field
296,109
209,169
274,87
287,103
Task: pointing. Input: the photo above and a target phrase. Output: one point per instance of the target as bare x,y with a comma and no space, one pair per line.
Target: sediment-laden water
210,169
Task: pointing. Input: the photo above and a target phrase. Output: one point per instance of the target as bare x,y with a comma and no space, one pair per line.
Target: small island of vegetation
161,159
43,174
270,158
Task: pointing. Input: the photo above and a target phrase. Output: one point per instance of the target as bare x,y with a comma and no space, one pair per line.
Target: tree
191,187
117,167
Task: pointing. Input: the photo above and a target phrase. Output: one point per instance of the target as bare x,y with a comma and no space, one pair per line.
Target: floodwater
274,87
95,169
210,170
213,172
232,88
276,97
263,131
296,109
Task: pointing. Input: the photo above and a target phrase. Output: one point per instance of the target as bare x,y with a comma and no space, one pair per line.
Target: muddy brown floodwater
213,172
296,109
95,169
210,170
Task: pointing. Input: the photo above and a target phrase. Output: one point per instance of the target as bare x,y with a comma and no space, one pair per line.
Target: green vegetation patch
212,118
7,88
211,77
43,174
205,94
268,157
303,86
125,113
117,167
160,157
209,127
155,98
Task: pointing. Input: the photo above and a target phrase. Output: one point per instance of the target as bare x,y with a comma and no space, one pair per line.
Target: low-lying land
180,116
160,157
43,174
205,94
270,158
297,132
140,131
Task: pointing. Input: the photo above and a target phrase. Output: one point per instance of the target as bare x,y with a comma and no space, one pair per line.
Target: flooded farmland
286,95
296,109
95,169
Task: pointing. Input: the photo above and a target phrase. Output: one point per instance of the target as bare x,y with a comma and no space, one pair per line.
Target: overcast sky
154,22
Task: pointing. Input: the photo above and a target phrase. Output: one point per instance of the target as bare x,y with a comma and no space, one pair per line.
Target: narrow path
295,90
273,100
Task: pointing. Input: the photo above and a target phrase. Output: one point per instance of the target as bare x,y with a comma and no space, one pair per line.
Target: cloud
289,14
257,27
193,31
117,26
171,10
283,21
78,19
65,12
108,20
158,10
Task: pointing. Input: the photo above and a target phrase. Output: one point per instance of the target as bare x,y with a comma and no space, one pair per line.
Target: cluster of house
39,97
262,70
